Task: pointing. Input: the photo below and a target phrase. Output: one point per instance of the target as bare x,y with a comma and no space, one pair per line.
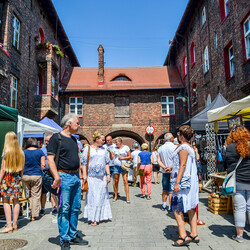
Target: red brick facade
30,63
216,33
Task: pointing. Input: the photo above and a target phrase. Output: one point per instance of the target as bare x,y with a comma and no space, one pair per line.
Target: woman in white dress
97,207
185,197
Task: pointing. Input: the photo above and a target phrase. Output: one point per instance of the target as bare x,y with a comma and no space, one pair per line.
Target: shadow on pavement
228,231
56,240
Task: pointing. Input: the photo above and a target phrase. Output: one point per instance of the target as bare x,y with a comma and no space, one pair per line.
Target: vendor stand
234,113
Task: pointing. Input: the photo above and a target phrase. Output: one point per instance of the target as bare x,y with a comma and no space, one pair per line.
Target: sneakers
238,238
42,212
143,196
148,198
133,185
79,241
65,245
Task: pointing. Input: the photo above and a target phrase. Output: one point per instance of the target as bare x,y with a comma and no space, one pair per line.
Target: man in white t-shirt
111,146
165,162
134,156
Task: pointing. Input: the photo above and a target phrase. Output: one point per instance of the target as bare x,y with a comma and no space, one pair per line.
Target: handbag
229,184
47,177
125,166
141,171
86,187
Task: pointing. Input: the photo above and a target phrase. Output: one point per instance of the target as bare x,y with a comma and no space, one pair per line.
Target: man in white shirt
134,156
110,146
165,162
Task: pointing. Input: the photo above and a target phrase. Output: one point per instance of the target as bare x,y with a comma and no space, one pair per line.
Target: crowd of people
91,168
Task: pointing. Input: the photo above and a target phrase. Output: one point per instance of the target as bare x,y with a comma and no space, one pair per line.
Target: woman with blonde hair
145,159
238,145
10,179
97,207
121,154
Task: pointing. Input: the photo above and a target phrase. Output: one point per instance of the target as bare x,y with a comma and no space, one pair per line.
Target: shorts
166,182
118,170
44,190
156,168
111,169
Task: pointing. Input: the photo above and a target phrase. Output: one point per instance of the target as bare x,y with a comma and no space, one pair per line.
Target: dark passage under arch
127,133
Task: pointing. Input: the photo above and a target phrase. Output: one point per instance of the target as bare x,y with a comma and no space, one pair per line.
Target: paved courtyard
139,225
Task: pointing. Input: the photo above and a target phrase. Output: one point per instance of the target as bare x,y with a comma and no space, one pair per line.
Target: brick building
211,49
122,101
34,53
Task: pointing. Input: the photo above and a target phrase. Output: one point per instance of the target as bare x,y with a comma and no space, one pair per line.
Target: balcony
46,103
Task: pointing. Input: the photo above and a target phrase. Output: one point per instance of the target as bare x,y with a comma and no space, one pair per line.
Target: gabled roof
86,79
50,11
182,28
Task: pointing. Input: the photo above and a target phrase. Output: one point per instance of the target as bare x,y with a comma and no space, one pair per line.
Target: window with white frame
203,15
16,33
231,61
206,60
75,105
227,7
13,91
167,105
53,84
246,27
185,68
215,41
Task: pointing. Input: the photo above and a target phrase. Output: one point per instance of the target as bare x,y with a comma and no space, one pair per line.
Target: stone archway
82,137
127,133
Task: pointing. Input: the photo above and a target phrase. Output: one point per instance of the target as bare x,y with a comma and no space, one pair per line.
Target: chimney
101,66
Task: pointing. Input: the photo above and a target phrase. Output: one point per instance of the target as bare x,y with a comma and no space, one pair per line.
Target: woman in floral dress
10,179
97,207
184,182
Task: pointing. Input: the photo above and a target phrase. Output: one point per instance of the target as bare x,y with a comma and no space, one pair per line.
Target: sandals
200,223
193,239
184,242
5,230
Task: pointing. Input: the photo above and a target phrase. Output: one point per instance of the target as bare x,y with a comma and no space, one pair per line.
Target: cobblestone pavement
139,225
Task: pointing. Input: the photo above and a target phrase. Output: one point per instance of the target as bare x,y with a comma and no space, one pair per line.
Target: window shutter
222,10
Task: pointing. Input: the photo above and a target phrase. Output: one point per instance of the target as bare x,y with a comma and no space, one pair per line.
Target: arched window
41,35
121,78
208,101
192,53
206,60
184,66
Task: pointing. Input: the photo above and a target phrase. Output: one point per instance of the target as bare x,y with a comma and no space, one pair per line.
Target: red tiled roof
84,78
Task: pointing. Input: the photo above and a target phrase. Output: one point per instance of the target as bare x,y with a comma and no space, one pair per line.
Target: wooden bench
22,202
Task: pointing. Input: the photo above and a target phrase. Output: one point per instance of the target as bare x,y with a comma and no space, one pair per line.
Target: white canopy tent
28,126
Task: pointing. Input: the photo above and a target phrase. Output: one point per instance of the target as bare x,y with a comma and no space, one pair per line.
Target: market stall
29,127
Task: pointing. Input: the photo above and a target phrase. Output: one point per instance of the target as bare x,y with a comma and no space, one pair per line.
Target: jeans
241,204
70,205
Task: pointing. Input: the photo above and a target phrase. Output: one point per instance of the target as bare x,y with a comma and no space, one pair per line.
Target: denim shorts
118,170
166,182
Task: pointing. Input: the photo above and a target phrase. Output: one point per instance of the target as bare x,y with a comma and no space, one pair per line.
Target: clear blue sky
132,32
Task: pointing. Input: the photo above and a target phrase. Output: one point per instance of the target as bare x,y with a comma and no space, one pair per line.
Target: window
192,53
16,33
184,66
224,9
246,37
206,60
75,105
208,101
13,91
39,85
167,105
215,41
1,19
203,15
229,61
41,35
121,78
53,84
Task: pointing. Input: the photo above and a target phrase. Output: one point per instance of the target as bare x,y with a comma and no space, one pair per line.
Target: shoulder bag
86,187
125,166
229,184
47,177
141,171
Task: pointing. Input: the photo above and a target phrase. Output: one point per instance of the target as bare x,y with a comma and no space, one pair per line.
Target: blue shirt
145,157
33,162
45,149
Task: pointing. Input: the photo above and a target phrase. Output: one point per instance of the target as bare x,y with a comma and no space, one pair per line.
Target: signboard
150,129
